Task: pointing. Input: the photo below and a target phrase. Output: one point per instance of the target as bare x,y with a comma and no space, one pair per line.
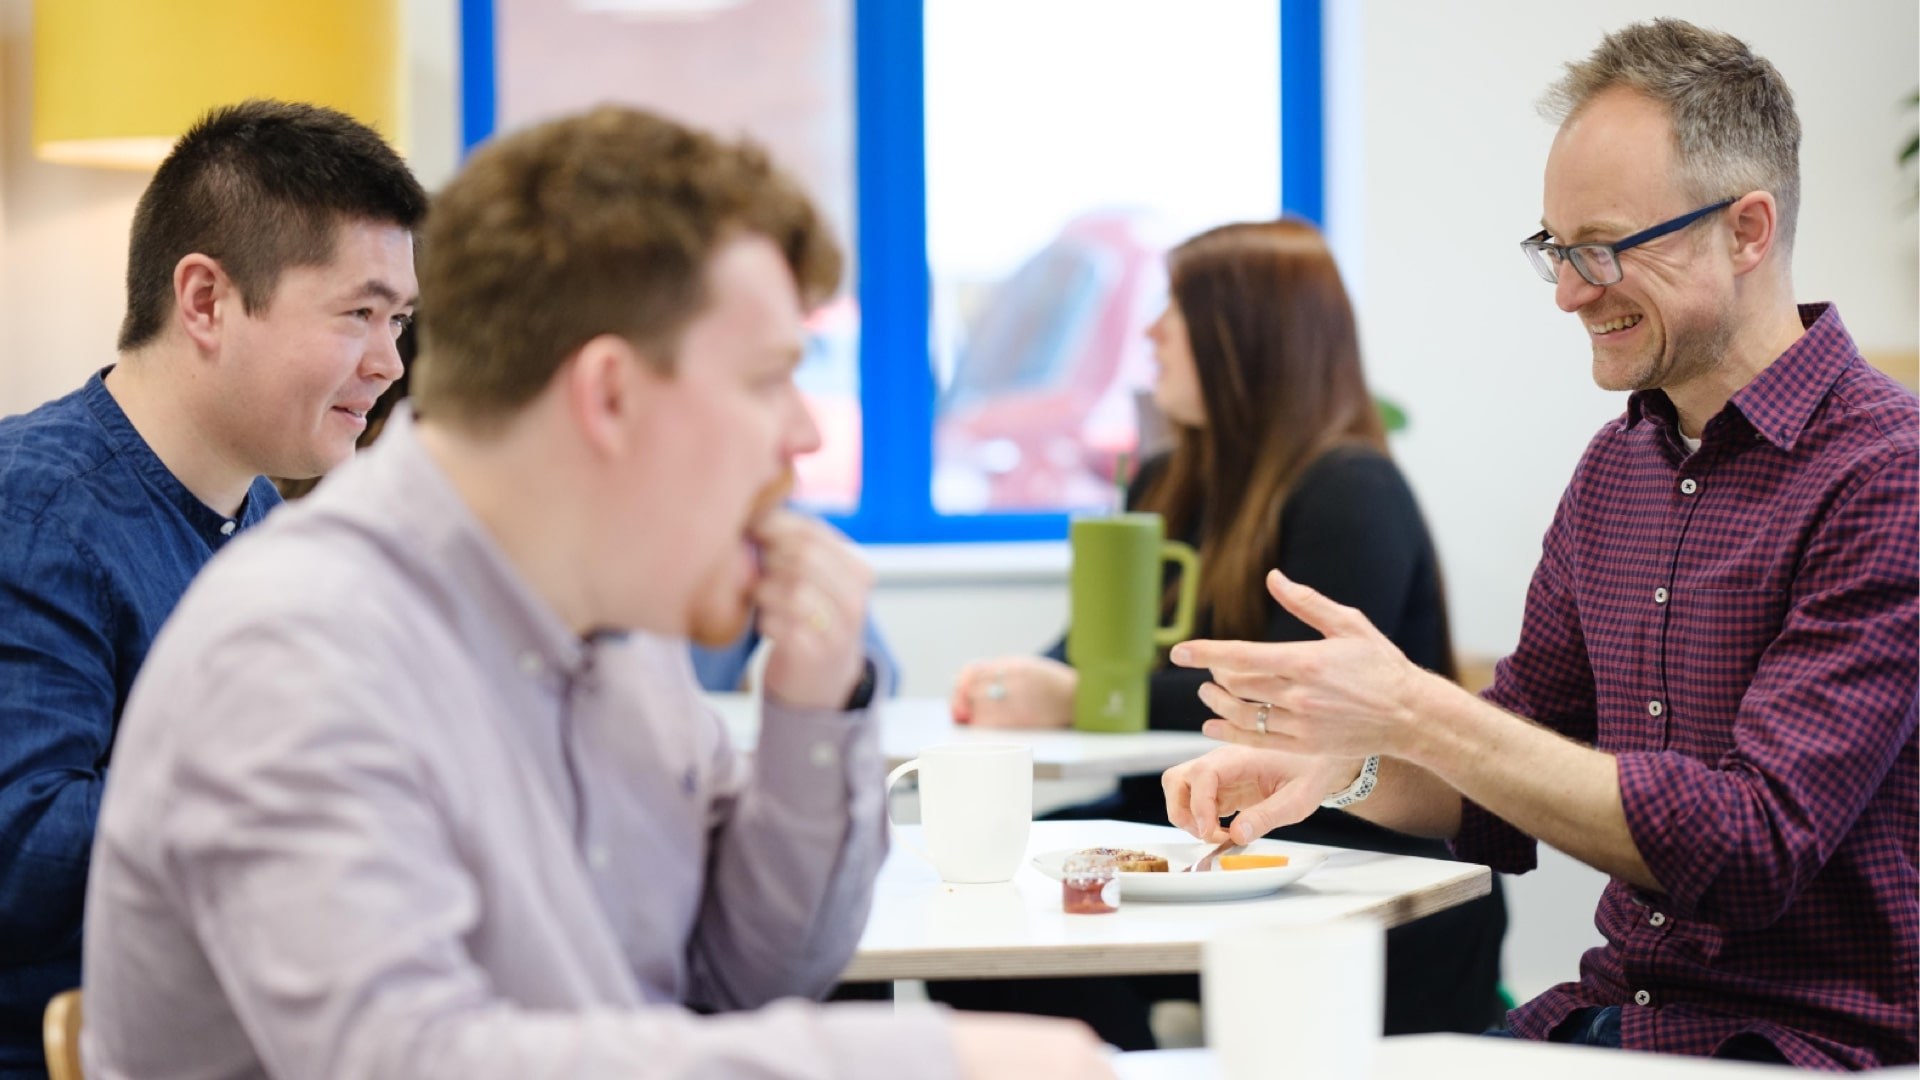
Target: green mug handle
1181,627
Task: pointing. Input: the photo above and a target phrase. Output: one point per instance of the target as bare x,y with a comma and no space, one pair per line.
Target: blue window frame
897,399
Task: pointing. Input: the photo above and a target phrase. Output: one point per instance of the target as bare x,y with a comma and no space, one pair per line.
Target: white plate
1207,884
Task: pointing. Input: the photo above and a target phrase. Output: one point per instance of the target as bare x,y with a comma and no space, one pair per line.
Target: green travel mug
1115,588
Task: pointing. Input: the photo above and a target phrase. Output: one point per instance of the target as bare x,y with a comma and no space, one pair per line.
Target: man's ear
203,296
607,382
1755,218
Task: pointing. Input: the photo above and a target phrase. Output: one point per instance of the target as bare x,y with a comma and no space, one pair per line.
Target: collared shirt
1738,627
97,542
393,819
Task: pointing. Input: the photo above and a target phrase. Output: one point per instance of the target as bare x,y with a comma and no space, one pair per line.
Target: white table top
922,928
909,725
1474,1057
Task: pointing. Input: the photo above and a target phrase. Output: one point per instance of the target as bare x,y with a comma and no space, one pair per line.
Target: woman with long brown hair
1279,460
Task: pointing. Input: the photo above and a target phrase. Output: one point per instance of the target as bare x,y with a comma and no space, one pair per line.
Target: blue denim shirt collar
216,528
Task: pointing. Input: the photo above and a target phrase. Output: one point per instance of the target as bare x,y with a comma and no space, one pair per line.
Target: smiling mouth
1614,326
357,414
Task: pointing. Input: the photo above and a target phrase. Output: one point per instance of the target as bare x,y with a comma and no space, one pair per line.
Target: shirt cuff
1663,796
808,759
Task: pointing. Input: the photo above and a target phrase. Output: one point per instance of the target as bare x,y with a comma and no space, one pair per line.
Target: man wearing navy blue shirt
270,270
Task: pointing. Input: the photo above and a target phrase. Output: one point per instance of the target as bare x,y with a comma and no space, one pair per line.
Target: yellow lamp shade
116,82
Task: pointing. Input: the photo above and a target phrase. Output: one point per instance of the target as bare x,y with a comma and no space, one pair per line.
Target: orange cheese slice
1251,862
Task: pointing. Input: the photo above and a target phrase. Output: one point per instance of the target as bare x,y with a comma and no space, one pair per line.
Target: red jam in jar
1089,884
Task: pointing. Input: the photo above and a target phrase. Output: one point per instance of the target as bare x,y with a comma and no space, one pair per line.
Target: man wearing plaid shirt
1714,695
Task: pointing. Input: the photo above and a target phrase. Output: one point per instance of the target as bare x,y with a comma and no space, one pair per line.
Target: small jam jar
1089,884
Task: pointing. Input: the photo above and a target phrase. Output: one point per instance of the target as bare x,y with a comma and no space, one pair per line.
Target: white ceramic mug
1307,1002
976,807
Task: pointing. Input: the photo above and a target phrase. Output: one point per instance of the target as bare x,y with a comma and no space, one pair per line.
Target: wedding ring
1260,717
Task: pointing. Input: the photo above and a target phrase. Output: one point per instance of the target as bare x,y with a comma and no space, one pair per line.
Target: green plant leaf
1912,149
1391,415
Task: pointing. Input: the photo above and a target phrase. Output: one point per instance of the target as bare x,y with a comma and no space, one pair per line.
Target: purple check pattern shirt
1738,627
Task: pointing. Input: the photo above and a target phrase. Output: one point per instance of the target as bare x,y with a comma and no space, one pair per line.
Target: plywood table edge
1111,958
1401,910
1027,962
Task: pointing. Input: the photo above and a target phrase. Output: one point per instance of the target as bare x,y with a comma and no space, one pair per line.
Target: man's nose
383,357
1573,292
803,436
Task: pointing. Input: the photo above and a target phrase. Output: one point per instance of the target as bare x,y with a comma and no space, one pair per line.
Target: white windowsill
949,564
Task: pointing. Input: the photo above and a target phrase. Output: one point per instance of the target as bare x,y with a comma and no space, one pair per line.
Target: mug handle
893,778
1182,625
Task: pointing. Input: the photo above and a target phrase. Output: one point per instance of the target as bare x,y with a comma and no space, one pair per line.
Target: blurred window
1061,162
1023,346
1019,169
778,71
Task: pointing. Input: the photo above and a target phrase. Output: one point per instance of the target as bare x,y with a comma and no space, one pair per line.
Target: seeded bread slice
1132,861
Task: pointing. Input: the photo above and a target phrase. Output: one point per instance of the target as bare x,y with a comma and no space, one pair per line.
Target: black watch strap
862,695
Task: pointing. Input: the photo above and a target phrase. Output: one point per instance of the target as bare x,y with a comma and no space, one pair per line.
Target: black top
1351,530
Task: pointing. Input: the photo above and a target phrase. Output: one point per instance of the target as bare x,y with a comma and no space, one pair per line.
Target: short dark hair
259,186
598,223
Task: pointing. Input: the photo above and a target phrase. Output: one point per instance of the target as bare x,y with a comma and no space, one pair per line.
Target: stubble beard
1690,352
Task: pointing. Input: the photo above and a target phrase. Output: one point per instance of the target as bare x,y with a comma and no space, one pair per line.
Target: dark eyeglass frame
1547,257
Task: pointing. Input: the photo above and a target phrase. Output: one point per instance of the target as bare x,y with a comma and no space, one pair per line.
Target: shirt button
530,663
1657,919
1654,708
1689,486
597,857
1659,596
824,756
227,527
1641,997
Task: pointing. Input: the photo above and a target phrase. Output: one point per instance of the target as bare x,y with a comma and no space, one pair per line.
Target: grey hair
1734,126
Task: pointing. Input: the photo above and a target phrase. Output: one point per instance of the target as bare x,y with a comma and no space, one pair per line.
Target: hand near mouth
812,601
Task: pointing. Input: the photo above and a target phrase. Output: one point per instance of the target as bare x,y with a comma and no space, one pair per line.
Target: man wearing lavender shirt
425,787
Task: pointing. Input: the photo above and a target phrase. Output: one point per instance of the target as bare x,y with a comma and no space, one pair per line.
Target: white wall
934,627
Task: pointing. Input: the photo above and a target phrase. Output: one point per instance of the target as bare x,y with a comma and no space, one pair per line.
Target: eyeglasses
1599,264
